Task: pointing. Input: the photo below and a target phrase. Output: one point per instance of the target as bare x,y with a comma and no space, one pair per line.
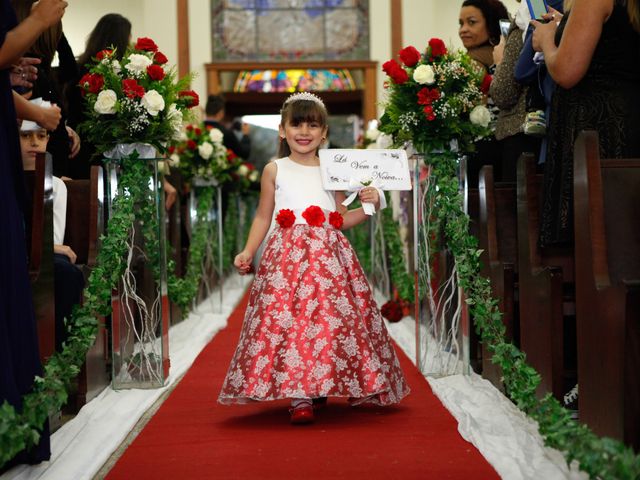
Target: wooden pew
40,247
84,225
498,240
540,279
607,243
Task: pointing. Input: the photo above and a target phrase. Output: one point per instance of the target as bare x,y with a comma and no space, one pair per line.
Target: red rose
191,97
171,149
409,56
285,218
392,311
426,96
104,53
192,145
486,83
437,47
132,89
146,44
336,220
189,128
156,72
197,131
395,71
314,216
250,166
92,82
160,58
428,112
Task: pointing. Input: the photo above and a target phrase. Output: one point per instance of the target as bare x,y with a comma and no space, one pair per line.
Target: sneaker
302,414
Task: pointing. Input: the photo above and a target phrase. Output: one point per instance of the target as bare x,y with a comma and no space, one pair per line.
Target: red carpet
193,437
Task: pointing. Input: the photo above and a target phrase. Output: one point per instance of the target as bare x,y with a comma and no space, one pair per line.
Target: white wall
422,20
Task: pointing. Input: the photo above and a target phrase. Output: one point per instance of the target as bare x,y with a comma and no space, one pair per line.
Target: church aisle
192,436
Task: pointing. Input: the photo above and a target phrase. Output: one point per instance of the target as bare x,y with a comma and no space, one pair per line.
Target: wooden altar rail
607,249
368,94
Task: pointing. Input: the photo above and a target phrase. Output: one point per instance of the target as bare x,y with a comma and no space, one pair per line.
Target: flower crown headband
304,96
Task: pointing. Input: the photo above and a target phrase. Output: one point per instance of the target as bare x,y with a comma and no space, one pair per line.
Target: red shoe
302,414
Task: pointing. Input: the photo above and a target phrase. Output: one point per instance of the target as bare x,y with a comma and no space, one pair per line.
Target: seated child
69,280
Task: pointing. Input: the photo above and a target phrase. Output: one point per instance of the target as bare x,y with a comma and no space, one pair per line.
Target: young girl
312,328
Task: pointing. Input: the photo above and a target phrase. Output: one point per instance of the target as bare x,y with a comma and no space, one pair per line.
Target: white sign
340,168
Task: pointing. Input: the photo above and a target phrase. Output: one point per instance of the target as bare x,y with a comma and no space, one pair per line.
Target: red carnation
336,220
486,83
156,72
285,218
104,53
160,58
428,112
409,56
132,89
146,44
171,149
189,128
192,145
231,155
197,131
426,96
92,82
395,71
194,99
437,47
314,216
392,311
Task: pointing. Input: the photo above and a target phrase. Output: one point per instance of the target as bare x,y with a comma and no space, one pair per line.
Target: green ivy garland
182,291
398,268
230,233
599,457
21,430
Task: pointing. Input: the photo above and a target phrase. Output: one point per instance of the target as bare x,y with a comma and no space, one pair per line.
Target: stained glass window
268,30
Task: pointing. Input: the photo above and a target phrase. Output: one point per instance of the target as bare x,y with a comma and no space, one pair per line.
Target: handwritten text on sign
388,168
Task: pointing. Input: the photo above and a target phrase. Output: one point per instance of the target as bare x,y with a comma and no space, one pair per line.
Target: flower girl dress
312,328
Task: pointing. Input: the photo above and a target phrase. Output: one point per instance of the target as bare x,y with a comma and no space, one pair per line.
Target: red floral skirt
312,328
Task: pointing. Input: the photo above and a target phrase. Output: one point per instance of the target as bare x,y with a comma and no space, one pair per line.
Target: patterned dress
312,328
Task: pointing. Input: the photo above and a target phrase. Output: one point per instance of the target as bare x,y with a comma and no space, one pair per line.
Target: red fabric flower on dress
132,89
395,71
437,47
146,44
156,72
409,56
336,220
285,218
160,58
91,82
314,216
392,311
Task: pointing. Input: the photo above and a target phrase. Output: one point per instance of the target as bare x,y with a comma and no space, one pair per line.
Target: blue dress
19,358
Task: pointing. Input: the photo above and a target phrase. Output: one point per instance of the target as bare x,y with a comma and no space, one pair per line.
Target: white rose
174,160
243,170
106,102
205,150
384,141
174,117
254,176
372,134
153,102
425,75
138,63
480,115
215,135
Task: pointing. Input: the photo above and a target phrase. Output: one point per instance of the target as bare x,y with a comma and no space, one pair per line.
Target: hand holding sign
353,170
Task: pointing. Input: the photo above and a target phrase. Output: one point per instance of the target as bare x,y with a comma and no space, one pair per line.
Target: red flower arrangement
392,311
146,44
336,220
91,82
409,56
285,218
314,216
395,71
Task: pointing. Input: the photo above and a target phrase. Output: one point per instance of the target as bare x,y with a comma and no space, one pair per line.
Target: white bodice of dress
299,186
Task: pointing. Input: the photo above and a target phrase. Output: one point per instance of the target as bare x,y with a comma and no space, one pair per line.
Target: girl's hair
46,44
492,11
297,111
112,30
